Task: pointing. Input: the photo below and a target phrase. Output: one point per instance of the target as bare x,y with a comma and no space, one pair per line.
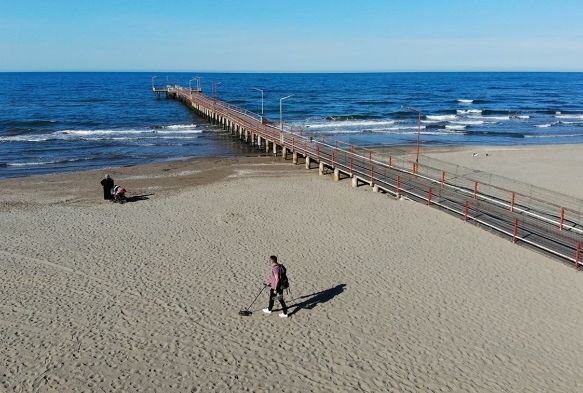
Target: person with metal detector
276,290
245,312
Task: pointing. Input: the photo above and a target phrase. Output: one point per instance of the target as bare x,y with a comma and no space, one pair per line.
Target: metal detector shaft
256,297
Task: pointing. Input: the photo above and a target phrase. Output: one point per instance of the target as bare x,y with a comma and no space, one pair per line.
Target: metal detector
245,312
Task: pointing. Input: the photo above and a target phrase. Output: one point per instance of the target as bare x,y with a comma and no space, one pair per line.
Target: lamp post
281,110
153,83
255,88
198,78
214,88
190,86
419,113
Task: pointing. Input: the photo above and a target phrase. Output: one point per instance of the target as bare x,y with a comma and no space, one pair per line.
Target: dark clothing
279,295
107,184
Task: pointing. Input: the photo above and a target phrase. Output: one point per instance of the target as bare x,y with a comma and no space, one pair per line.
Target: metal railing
542,218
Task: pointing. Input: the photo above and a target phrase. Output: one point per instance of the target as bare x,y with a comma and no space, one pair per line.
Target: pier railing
544,219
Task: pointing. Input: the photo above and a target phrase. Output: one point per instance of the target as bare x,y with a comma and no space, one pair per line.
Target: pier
537,218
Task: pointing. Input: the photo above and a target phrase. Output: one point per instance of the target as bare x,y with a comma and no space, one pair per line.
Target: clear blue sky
291,35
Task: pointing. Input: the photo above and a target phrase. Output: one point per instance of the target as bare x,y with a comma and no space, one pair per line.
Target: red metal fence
544,219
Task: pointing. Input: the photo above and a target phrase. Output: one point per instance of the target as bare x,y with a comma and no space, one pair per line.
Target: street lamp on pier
214,88
419,114
281,110
190,86
255,88
153,83
198,78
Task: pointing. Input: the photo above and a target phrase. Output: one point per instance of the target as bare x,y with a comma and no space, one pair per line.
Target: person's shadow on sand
316,298
137,198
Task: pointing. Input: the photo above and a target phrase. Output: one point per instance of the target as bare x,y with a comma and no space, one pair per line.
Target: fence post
442,180
390,162
475,190
562,218
351,158
578,255
398,185
430,194
512,203
515,231
415,169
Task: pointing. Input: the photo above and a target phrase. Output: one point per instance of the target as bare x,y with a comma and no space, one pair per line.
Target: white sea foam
553,136
39,163
571,116
90,133
180,127
441,117
31,163
392,129
488,118
350,123
455,127
570,122
126,134
469,111
373,130
523,116
27,138
546,125
468,122
465,101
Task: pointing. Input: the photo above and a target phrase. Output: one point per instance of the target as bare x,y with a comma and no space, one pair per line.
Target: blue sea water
56,122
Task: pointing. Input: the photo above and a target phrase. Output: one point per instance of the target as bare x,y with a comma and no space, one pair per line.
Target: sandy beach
552,167
386,295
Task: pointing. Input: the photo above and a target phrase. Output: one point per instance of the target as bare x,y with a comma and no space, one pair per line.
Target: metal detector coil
245,312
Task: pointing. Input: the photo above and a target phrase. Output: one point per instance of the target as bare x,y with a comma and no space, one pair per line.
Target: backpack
283,280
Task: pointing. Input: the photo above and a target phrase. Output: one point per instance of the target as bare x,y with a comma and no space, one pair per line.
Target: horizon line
287,71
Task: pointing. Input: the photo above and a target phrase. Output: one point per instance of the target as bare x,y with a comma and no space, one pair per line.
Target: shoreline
509,161
164,178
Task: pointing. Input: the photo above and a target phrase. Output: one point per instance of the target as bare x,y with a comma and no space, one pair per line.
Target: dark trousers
279,295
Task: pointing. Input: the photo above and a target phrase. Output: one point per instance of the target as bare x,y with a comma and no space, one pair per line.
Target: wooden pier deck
547,221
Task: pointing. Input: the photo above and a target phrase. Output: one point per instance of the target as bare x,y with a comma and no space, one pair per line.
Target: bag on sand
283,281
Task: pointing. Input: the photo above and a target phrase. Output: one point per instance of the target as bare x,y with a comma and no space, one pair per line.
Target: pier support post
354,181
321,169
266,146
375,188
308,162
336,174
274,148
284,152
295,158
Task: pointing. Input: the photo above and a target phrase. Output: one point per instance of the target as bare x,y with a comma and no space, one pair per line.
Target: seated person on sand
107,184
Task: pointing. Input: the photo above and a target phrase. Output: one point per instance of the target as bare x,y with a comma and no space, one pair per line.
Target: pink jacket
274,276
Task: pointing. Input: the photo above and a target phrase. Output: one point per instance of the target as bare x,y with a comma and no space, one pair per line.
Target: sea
73,121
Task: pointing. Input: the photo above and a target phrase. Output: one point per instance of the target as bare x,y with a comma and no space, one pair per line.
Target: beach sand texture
387,295
555,168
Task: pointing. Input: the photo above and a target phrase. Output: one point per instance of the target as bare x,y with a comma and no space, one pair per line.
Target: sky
291,35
